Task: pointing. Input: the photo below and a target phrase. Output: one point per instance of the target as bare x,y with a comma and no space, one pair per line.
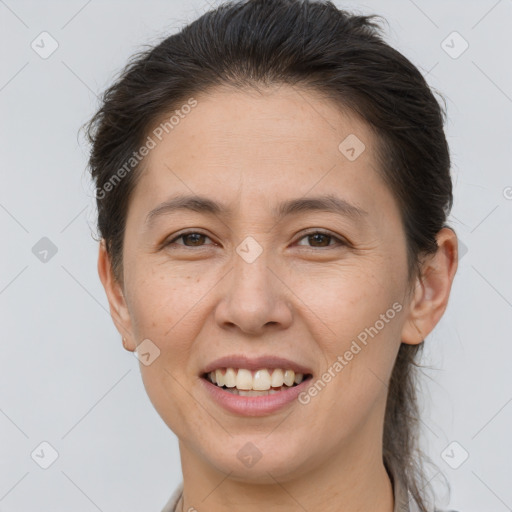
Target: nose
254,298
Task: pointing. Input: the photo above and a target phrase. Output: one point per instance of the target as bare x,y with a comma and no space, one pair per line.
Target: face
325,289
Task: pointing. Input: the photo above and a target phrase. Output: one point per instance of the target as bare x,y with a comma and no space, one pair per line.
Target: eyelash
317,232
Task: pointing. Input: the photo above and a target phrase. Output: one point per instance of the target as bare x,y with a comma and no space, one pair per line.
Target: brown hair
314,45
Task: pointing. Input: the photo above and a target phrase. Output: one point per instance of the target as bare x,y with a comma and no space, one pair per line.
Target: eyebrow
326,203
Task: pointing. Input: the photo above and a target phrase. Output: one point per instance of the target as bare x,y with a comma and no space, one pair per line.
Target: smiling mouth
243,382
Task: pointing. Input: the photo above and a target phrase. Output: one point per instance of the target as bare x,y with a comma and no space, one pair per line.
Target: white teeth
259,381
230,378
277,378
289,377
219,378
244,379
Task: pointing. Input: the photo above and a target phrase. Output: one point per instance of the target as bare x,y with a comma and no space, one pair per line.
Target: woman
273,184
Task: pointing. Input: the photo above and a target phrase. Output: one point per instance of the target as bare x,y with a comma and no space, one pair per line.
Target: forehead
283,141
266,123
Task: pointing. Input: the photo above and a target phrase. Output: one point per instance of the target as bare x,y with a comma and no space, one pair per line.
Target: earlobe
432,289
113,289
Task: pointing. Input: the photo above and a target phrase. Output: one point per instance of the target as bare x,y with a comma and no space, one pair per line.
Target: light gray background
64,376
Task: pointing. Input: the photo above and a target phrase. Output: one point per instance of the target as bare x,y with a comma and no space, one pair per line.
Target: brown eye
190,239
194,238
321,239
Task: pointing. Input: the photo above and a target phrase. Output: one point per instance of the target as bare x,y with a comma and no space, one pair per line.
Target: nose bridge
251,277
253,297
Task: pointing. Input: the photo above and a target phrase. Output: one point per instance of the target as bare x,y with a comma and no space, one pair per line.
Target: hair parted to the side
313,45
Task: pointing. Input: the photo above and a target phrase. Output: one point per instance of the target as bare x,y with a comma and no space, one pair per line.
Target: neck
353,480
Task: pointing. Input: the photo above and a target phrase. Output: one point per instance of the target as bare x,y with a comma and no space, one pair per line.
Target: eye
319,237
194,237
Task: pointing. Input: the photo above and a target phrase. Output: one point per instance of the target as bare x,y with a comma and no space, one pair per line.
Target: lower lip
253,405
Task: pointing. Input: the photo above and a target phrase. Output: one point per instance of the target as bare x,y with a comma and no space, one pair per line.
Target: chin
258,460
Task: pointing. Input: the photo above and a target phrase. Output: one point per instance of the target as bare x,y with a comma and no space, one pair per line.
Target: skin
303,298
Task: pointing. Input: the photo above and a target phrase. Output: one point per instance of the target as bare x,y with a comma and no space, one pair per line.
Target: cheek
343,300
355,317
166,308
164,302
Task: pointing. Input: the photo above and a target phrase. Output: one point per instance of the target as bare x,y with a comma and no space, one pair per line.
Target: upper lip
255,363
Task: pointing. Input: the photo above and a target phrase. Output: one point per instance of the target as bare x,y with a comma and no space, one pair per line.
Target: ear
118,308
432,289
